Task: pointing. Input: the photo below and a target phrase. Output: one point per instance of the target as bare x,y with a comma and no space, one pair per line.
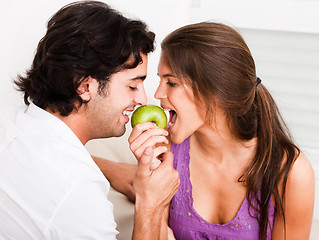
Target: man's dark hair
83,39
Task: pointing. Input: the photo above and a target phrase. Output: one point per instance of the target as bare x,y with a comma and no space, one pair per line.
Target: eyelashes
171,84
133,88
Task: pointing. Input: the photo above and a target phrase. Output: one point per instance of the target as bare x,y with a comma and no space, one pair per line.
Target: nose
140,97
160,91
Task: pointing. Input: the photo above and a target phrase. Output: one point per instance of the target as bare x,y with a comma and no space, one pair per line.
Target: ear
84,90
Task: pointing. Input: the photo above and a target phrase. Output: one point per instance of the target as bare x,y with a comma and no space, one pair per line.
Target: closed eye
171,84
133,88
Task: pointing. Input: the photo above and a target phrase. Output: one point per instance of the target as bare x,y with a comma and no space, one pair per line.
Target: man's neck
76,121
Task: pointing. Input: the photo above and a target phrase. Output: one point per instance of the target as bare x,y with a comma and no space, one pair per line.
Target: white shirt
50,187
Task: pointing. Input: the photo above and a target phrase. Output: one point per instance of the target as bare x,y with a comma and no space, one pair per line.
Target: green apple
149,113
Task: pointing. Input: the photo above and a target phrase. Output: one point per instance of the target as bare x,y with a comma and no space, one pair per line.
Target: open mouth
127,113
172,118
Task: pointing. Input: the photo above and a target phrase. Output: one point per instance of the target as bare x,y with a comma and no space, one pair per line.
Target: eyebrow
139,78
167,75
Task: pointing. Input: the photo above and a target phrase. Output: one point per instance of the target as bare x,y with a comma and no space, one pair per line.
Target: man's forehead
133,74
131,59
141,77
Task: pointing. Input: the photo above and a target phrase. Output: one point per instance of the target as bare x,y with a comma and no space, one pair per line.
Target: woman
242,177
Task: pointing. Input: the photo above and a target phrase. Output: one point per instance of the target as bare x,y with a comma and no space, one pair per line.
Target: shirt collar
53,123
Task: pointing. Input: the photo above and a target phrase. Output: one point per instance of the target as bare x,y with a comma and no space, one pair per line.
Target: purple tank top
187,224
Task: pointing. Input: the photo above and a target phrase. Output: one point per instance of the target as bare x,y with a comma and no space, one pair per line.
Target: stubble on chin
118,131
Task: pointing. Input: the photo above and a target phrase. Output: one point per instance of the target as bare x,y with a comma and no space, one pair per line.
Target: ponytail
216,62
275,154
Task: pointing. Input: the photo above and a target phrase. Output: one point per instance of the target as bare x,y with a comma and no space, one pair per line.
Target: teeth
127,113
173,118
170,124
166,111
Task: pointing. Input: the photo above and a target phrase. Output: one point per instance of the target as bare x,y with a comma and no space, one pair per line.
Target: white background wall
23,24
283,36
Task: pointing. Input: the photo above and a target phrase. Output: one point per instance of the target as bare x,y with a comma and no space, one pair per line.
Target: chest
217,194
210,204
207,212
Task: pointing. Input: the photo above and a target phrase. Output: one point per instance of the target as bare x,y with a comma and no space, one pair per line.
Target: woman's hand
147,135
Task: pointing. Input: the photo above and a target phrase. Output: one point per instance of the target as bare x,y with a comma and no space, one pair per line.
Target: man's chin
120,132
115,131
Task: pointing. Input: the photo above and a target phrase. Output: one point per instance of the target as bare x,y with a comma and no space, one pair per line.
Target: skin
299,203
120,175
101,116
150,206
169,91
216,166
144,136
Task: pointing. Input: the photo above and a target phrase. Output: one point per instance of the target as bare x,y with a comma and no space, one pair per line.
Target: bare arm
166,232
154,191
120,175
300,191
154,185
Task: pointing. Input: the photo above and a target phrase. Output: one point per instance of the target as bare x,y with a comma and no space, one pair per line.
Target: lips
127,113
172,115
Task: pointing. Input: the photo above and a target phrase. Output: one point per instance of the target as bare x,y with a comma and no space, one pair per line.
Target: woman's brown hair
215,61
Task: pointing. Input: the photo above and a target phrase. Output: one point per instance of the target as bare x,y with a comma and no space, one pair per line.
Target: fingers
173,175
139,129
143,131
138,149
159,150
155,188
168,158
155,161
154,164
156,158
145,162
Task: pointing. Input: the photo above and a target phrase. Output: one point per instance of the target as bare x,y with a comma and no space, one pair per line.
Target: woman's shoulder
298,201
300,181
301,173
300,186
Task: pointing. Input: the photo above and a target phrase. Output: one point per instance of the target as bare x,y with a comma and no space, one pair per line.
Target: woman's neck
220,145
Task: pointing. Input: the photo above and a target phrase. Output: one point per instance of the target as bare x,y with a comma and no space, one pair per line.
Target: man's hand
154,190
156,187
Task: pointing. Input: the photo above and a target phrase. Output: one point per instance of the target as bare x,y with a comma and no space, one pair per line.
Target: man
88,71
